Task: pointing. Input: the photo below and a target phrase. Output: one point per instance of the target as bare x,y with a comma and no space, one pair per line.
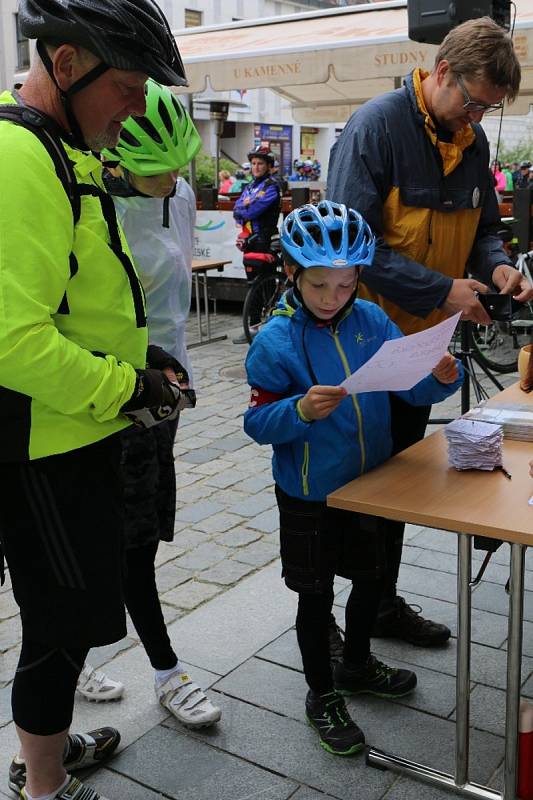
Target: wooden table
200,269
418,486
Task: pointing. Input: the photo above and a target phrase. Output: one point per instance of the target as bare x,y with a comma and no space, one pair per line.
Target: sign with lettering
215,233
268,70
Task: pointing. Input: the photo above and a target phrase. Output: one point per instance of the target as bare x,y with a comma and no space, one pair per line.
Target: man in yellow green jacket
73,361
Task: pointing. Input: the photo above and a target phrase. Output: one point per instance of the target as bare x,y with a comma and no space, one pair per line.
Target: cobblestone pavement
215,583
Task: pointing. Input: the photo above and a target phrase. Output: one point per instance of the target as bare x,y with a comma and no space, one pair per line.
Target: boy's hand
531,467
320,401
446,370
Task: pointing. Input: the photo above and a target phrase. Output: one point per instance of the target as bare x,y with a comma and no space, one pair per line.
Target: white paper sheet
399,364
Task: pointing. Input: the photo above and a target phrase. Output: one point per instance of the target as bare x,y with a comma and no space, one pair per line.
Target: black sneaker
338,733
375,678
336,640
81,750
406,623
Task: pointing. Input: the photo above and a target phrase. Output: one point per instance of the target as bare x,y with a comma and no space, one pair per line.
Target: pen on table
505,472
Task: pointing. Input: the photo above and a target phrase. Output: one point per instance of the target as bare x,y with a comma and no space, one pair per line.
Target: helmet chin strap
334,321
76,135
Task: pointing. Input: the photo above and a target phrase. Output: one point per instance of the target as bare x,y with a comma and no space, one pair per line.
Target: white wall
8,45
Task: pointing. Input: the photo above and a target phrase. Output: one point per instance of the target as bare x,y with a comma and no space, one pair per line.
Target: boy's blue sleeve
261,202
272,417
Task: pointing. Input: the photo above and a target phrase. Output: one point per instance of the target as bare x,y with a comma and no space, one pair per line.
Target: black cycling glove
155,399
157,358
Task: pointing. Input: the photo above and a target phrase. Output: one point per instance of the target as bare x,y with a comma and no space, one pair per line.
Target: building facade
255,116
258,116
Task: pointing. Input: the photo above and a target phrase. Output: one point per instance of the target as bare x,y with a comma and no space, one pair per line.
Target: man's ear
70,63
442,71
64,67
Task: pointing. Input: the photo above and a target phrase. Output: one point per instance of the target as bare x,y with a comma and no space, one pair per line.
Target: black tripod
469,358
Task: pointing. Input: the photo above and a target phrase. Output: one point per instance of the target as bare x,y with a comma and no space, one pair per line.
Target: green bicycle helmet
164,139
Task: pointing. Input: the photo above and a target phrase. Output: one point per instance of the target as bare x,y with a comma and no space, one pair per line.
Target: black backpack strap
110,216
42,127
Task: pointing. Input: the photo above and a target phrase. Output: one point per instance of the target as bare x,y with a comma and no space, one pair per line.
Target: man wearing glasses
415,163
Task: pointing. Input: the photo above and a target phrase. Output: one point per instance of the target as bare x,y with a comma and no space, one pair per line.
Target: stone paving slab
115,786
220,636
487,709
190,595
488,664
291,748
282,690
494,599
422,737
304,793
185,769
5,705
238,537
407,789
428,582
228,572
8,606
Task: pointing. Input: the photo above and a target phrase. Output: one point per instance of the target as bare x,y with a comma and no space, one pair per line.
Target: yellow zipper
305,470
355,401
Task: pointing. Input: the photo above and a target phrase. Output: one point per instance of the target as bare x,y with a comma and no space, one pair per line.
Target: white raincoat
163,258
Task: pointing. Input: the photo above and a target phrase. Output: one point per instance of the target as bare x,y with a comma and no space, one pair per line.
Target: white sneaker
96,686
187,702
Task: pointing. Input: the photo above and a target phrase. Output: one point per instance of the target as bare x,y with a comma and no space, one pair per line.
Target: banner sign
214,237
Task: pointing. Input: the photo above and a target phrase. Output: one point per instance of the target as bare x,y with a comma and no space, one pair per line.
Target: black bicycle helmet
124,34
264,153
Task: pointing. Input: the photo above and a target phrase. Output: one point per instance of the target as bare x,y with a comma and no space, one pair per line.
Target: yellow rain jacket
431,203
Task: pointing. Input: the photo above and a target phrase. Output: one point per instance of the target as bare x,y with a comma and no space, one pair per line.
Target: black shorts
61,521
318,542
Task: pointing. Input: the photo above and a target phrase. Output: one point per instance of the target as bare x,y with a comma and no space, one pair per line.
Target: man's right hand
463,297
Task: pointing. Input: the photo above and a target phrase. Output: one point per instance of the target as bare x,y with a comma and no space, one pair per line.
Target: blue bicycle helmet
327,235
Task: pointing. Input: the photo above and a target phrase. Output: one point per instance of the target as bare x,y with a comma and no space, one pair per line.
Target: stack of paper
474,445
516,419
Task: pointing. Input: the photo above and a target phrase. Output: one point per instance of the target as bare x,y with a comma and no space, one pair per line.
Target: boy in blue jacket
322,438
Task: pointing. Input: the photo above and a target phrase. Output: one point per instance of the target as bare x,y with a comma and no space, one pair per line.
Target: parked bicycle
499,344
264,293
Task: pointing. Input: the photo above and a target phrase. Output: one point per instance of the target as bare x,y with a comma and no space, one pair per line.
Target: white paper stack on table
474,445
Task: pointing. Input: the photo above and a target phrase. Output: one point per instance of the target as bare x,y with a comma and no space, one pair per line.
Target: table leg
462,681
459,784
198,312
206,307
207,339
514,665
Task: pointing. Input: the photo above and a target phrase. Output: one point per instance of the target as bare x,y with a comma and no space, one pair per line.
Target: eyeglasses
472,106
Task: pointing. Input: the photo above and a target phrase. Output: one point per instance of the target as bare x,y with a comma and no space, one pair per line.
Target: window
192,18
23,47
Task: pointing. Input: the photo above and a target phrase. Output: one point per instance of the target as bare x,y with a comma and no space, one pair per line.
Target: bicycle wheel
260,301
498,345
